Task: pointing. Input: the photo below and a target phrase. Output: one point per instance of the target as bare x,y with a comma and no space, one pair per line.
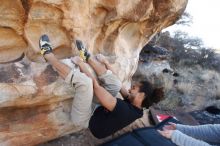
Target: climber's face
134,92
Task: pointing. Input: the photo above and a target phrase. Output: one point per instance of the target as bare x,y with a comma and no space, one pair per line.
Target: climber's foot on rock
44,44
83,52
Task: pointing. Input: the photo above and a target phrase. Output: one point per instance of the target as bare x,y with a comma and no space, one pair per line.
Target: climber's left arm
62,69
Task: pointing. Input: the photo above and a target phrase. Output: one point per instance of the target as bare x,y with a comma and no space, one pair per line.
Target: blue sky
206,21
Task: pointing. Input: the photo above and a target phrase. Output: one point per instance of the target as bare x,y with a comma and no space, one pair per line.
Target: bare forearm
60,67
124,92
104,97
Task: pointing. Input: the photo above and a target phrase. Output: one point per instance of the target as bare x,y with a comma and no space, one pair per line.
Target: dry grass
185,88
211,82
196,87
167,83
208,75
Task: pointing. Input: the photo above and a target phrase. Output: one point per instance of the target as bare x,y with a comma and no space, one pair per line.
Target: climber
113,113
184,135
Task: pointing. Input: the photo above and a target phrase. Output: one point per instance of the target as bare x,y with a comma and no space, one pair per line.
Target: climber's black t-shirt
104,123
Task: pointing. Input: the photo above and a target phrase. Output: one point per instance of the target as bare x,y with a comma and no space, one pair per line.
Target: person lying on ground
184,135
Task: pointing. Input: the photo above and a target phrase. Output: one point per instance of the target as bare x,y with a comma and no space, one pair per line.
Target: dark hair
152,95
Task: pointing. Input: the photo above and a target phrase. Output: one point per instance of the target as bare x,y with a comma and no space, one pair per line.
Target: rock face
35,103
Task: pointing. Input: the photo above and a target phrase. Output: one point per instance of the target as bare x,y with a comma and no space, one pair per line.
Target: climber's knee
111,83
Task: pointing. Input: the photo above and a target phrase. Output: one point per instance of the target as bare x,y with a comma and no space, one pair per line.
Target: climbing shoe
83,52
45,45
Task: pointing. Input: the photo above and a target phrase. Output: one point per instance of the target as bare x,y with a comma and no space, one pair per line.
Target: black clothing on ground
104,123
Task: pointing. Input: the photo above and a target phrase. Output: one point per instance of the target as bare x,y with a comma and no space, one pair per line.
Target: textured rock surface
85,138
34,102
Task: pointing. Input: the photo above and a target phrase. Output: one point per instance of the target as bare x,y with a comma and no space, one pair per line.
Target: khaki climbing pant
82,108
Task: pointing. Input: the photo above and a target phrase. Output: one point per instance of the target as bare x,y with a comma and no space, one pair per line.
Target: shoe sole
44,39
79,45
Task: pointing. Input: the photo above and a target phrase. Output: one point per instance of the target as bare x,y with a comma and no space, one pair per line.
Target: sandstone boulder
35,103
